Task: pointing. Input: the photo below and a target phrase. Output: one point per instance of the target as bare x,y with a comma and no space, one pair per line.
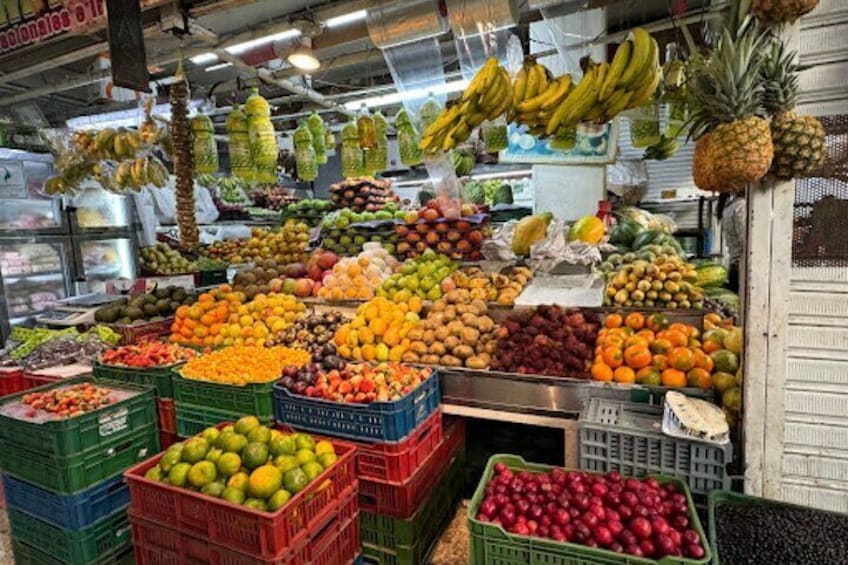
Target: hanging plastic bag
351,152
304,152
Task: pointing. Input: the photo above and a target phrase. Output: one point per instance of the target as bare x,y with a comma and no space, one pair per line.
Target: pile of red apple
361,383
635,516
304,280
455,230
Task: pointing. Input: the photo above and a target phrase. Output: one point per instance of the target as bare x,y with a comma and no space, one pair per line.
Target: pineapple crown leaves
725,86
779,75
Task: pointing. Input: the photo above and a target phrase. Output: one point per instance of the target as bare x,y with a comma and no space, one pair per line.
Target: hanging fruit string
183,160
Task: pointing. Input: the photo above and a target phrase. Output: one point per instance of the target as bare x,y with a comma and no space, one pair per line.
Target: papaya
530,230
588,229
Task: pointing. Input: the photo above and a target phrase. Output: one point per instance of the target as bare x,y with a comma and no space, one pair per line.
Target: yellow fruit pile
379,330
357,278
503,287
241,365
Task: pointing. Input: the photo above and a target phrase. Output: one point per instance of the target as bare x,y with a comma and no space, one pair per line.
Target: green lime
222,438
233,443
304,441
214,488
312,469
276,434
278,499
168,460
228,429
327,459
175,447
234,495
202,473
210,434
283,445
154,473
324,446
262,434
244,425
294,480
254,455
264,481
304,456
178,473
255,503
213,454
194,450
229,464
286,462
239,481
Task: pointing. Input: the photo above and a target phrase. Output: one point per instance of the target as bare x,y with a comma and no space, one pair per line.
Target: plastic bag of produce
628,179
650,221
495,136
644,125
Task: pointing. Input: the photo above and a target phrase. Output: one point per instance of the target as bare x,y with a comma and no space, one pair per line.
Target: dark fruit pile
314,334
772,534
638,517
547,340
364,194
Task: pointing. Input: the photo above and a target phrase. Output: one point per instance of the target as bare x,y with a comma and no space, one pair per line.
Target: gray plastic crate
627,437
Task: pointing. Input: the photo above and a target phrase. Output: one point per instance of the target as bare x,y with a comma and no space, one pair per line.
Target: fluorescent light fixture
204,58
345,19
217,67
242,47
303,57
395,97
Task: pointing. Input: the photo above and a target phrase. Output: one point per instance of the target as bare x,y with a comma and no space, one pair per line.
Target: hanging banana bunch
148,130
536,95
183,167
263,139
241,160
204,148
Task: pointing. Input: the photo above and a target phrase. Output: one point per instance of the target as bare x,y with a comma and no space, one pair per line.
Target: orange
613,321
703,361
625,375
635,321
636,340
677,337
661,346
699,378
637,356
207,319
647,335
648,376
710,346
657,322
681,358
613,356
660,362
602,372
182,311
673,378
682,328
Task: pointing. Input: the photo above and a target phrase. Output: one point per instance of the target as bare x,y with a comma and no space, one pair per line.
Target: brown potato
418,347
431,360
410,357
491,347
416,334
486,358
451,361
476,362
470,336
485,324
435,319
455,328
451,341
470,320
441,333
463,351
462,309
438,306
480,305
429,336
449,314
437,348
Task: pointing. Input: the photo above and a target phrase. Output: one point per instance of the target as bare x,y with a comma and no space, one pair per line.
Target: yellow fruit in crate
228,464
201,474
239,481
264,481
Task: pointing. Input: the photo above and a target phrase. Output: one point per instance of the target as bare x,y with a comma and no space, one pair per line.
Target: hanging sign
126,45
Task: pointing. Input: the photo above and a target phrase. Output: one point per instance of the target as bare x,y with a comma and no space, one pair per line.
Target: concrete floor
5,539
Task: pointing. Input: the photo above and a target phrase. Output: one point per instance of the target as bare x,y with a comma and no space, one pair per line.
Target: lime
244,425
278,499
210,434
213,454
239,481
276,434
286,462
234,495
222,438
233,443
228,429
175,447
154,473
294,480
283,445
215,488
312,469
324,446
304,456
264,481
254,455
327,459
202,473
255,503
168,460
304,441
229,464
262,434
194,450
177,474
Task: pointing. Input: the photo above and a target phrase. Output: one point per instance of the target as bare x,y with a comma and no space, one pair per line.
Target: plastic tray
106,537
157,543
191,419
72,436
627,437
70,475
263,535
490,543
254,399
397,461
378,421
167,415
28,555
392,541
159,377
70,512
402,500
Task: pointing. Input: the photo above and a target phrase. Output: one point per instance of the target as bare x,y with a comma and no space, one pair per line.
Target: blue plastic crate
378,421
73,512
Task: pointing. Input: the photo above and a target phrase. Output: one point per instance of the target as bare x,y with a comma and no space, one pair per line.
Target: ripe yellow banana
533,79
577,104
481,80
543,77
519,86
645,93
640,59
619,64
563,87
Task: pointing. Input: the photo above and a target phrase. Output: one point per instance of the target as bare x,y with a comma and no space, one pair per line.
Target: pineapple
725,92
799,141
772,12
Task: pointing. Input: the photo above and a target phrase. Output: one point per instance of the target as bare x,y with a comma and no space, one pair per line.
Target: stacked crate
66,499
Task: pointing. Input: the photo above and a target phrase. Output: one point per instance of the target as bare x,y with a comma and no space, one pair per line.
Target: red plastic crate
166,440
397,461
336,543
16,380
167,415
32,381
402,499
263,535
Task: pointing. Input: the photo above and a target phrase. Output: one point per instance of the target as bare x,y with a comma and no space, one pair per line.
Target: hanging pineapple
316,128
733,144
263,139
241,161
304,152
204,148
775,12
351,152
799,141
181,136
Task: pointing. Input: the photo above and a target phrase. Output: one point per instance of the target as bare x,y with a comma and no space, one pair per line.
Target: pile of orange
647,349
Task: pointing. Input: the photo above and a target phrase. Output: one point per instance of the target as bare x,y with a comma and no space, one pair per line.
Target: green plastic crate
106,538
254,399
72,436
492,544
191,419
392,541
28,555
70,475
159,377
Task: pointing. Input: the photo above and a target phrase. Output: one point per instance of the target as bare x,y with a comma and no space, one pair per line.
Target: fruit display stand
491,543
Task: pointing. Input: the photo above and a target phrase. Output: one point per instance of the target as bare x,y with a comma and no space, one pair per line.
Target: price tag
185,281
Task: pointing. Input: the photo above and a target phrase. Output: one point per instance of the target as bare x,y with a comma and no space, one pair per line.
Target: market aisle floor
5,539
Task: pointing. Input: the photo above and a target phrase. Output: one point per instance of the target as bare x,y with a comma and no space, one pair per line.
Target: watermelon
472,192
624,232
647,237
711,274
503,195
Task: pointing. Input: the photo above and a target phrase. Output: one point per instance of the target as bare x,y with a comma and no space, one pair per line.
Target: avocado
137,301
178,294
135,313
161,293
149,299
163,306
174,305
150,310
108,315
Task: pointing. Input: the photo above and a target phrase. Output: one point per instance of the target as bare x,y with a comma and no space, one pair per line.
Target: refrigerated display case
25,207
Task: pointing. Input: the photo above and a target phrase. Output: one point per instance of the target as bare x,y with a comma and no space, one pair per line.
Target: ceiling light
204,58
395,97
242,47
217,67
303,57
345,19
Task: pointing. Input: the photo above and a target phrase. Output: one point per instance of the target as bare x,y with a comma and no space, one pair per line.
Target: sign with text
126,45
